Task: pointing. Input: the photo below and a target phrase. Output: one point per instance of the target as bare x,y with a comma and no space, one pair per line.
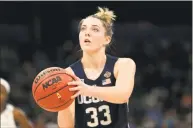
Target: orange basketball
50,89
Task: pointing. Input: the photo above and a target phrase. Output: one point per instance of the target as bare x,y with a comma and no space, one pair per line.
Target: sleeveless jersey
7,117
92,112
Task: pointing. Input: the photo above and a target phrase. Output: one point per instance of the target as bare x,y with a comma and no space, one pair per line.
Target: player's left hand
81,88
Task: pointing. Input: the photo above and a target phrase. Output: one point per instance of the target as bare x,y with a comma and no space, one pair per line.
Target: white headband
5,84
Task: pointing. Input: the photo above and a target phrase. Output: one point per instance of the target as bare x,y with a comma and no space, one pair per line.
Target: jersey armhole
114,68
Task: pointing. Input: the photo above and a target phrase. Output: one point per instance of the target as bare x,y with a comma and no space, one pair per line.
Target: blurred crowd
162,95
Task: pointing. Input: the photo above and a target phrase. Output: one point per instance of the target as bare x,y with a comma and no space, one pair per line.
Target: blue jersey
92,112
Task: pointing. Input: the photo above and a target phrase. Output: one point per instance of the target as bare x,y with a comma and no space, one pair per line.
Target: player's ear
107,40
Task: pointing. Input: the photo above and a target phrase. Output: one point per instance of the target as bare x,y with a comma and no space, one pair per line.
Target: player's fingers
75,95
75,77
74,83
75,88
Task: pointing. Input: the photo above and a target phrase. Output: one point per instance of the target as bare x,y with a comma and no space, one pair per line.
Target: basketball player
10,115
104,83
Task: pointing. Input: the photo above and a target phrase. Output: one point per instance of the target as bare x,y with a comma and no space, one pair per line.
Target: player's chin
88,49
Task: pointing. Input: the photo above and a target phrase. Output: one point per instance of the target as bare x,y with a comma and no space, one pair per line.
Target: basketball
50,90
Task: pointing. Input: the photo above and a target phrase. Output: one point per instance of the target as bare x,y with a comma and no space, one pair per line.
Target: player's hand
81,88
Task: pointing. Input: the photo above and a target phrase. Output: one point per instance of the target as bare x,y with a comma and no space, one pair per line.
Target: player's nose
87,33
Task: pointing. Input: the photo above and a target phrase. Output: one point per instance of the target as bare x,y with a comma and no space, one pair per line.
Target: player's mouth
87,41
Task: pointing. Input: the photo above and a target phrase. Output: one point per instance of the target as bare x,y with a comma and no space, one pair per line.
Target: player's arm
66,117
121,92
21,118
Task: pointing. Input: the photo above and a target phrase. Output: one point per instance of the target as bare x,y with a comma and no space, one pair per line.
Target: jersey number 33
93,112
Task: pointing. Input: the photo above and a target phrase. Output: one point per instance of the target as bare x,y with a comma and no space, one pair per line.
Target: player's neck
95,61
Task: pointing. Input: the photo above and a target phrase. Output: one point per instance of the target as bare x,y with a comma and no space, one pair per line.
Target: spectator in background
46,120
10,115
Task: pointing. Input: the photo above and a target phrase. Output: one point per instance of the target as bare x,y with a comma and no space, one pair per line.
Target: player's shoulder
126,61
122,60
69,68
75,64
123,64
9,106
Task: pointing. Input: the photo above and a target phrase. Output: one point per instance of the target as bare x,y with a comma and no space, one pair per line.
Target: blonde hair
107,17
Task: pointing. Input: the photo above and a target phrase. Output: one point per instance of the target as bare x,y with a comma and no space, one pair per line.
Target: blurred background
157,35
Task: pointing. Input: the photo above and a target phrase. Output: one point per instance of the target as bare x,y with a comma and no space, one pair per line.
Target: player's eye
95,29
82,28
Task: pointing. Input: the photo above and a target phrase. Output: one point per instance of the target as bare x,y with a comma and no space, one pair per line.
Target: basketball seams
45,79
51,93
60,105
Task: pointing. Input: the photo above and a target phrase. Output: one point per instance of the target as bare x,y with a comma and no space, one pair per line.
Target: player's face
3,95
92,35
